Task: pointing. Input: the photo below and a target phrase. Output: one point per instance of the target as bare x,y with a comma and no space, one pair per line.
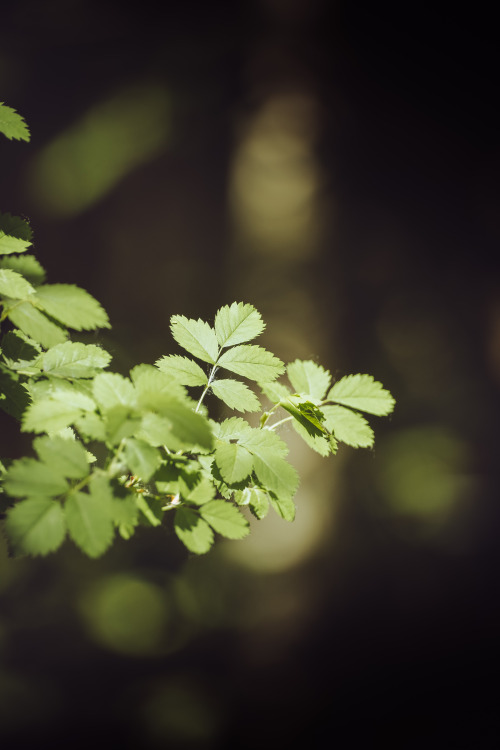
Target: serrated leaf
27,477
36,526
196,337
17,346
306,413
237,323
284,507
308,378
182,369
202,493
190,428
111,389
72,306
226,519
12,124
142,459
13,285
264,442
89,519
15,234
49,416
120,422
67,457
235,462
276,474
74,360
256,499
317,442
193,531
362,392
149,510
91,426
36,325
15,398
252,362
154,389
275,392
235,394
234,428
348,427
75,394
27,265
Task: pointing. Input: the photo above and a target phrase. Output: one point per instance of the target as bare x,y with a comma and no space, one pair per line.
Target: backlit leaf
308,378
74,360
237,323
362,392
182,369
89,519
111,389
12,124
252,362
142,459
36,325
226,519
196,336
348,426
15,234
68,457
28,477
36,526
234,462
13,285
72,306
27,265
235,394
193,531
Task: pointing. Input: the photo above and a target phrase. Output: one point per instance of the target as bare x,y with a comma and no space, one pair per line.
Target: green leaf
276,474
348,427
14,285
235,394
17,346
111,389
203,492
317,442
74,360
182,369
36,325
27,265
308,378
234,428
72,306
284,507
27,477
237,324
142,459
190,428
36,526
12,124
155,390
15,234
66,457
264,442
196,336
235,462
91,426
193,531
252,362
362,392
275,392
120,422
49,416
306,413
15,398
149,512
256,499
89,519
226,519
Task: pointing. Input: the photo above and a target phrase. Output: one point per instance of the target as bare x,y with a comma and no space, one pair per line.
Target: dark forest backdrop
335,164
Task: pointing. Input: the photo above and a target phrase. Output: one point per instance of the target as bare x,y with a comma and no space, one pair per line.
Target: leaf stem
277,424
210,381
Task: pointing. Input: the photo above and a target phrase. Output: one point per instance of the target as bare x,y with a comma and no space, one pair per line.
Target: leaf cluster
114,452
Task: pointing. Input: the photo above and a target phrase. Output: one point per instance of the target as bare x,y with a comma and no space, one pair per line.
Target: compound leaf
226,519
182,369
36,526
193,531
348,426
362,392
12,124
111,389
196,336
237,323
308,378
27,477
252,362
72,306
235,462
74,360
235,394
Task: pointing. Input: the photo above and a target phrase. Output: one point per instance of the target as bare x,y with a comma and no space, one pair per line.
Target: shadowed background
334,164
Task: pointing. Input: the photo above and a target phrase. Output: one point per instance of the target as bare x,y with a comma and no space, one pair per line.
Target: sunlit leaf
226,519
36,526
237,323
196,336
308,378
193,531
362,392
252,362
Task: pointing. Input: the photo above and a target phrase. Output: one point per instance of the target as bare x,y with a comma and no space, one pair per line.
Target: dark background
385,629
